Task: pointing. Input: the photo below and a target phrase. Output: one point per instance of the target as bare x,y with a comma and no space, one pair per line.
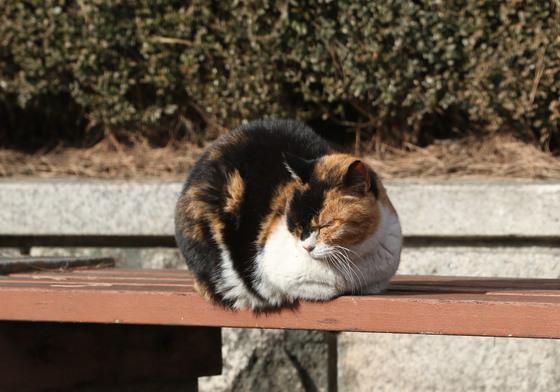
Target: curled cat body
270,215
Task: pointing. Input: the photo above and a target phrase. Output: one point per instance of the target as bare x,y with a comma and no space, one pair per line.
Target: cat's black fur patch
257,150
304,206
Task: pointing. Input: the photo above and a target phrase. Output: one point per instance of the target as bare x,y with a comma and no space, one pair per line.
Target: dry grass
497,156
107,159
500,156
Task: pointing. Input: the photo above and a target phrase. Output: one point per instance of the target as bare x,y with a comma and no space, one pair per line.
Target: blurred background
434,88
456,103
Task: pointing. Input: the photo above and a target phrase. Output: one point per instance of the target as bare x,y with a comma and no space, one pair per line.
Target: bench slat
413,304
9,265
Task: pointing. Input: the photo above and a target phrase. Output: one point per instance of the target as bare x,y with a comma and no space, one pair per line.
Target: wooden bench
121,327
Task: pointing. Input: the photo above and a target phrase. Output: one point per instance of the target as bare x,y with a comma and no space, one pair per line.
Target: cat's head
337,204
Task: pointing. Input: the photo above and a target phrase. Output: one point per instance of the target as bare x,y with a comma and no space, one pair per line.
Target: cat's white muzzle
321,251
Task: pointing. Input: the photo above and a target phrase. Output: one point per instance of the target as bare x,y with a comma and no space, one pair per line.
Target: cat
270,215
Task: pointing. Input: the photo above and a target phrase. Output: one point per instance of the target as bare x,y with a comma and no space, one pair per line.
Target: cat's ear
300,169
357,177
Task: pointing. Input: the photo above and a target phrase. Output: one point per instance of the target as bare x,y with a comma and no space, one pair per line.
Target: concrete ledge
87,208
478,209
101,208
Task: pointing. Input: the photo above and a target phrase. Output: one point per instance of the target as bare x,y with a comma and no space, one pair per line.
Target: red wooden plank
186,288
550,297
94,275
417,282
135,272
506,307
104,286
10,265
49,279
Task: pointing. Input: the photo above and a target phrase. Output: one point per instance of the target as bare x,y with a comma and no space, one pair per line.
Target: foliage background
398,71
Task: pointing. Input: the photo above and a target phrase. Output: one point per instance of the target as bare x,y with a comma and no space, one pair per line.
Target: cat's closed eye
319,226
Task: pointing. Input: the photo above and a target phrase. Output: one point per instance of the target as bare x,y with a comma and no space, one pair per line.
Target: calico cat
270,215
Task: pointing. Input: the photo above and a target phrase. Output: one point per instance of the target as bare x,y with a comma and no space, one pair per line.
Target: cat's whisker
347,263
347,272
350,260
344,253
343,270
349,251
352,266
336,267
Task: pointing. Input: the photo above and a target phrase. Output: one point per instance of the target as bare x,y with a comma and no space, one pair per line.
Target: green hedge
402,70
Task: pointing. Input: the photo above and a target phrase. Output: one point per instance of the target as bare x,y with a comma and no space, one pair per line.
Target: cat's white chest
286,271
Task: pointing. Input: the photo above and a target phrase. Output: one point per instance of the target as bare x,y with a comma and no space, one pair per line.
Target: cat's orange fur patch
351,216
266,227
192,211
277,208
216,227
234,192
203,289
350,219
332,168
188,218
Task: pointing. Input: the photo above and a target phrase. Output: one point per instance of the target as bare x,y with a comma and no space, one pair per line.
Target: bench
112,328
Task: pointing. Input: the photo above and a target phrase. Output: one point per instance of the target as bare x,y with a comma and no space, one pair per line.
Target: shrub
403,71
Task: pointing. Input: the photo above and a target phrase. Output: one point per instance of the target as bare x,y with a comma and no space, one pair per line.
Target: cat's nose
309,247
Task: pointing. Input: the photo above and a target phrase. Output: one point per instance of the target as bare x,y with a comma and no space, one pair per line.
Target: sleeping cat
270,215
